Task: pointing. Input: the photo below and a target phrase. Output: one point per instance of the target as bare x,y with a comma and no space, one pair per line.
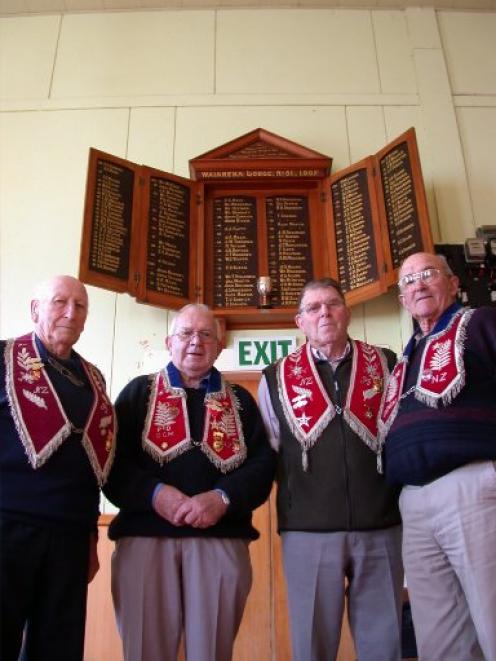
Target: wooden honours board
380,217
257,206
139,231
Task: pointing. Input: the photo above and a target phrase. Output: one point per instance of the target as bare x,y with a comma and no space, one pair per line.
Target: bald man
57,430
440,420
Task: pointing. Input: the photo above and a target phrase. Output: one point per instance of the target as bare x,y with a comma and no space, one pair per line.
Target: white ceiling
8,7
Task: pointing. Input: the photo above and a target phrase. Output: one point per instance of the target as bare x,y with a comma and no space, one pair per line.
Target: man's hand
93,564
202,510
167,503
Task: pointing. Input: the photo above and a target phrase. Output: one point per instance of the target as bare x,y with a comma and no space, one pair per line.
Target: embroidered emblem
304,420
440,359
303,396
392,388
165,415
36,399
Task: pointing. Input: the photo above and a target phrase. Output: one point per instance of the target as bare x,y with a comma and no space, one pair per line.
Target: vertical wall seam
376,51
214,58
55,56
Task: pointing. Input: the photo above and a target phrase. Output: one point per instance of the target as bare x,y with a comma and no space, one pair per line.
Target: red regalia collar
167,434
39,417
307,406
441,374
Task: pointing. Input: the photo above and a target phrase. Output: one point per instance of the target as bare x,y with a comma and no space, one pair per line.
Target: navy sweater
425,443
135,474
64,491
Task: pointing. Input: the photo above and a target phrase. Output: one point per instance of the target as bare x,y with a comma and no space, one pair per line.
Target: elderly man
337,517
440,418
56,429
192,462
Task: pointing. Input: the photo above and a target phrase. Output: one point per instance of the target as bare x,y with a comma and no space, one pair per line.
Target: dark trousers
43,587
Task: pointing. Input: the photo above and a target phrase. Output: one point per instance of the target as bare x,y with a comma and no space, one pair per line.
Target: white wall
161,87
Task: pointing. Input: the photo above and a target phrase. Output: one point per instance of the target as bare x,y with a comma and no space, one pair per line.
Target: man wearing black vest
57,432
192,463
439,415
338,520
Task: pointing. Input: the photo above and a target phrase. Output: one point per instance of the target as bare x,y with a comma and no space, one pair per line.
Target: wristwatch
225,498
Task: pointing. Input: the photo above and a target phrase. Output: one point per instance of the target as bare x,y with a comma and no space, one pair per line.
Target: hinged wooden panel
168,236
108,241
402,202
357,232
379,217
141,231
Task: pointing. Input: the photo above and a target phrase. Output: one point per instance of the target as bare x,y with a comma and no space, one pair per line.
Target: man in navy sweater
439,415
192,462
56,447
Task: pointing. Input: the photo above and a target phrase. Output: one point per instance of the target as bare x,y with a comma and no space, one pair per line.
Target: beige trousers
449,553
163,587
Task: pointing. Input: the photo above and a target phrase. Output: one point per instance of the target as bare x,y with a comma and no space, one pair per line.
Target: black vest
342,489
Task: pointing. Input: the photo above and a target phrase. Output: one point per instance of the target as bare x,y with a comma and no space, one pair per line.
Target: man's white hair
42,289
195,306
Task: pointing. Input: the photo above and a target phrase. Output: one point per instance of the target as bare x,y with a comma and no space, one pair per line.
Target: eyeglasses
427,275
314,308
187,334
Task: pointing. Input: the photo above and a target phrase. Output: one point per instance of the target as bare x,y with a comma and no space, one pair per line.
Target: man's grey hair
201,307
320,283
442,258
446,267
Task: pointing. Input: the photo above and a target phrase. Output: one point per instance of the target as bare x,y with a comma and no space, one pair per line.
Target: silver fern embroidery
229,423
165,415
302,397
35,399
30,366
225,423
442,355
392,388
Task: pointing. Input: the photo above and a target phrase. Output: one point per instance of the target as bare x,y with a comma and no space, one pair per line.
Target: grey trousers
449,551
316,565
163,587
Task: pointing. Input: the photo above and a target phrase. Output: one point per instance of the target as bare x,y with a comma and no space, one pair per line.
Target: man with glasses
192,462
339,521
439,416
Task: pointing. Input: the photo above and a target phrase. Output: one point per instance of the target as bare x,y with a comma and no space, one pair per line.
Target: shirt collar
211,382
320,357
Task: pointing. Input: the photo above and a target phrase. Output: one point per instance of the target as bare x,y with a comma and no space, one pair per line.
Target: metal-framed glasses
426,275
187,334
314,308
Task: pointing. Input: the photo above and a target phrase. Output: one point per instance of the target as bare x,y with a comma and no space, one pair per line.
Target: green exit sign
255,353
